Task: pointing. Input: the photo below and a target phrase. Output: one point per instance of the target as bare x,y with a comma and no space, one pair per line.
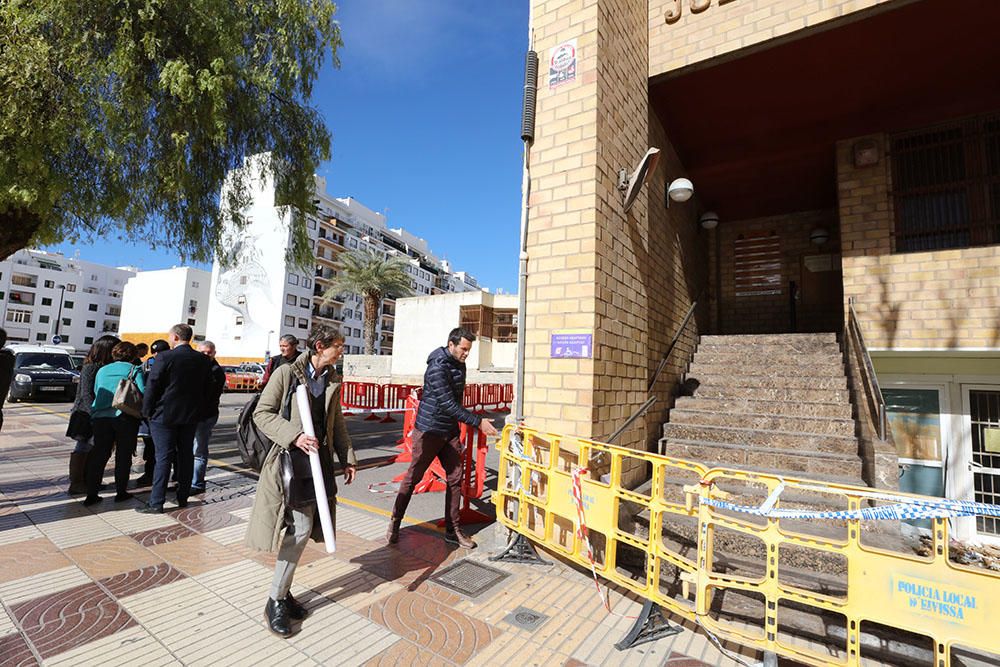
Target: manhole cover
469,577
526,619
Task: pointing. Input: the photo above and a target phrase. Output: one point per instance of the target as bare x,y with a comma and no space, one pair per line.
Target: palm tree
372,277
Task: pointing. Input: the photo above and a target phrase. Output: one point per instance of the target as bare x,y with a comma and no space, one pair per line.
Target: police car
40,371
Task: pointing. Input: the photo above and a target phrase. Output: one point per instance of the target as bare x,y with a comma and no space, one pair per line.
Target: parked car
238,379
42,370
252,367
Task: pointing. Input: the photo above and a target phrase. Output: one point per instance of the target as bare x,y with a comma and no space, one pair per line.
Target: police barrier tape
954,608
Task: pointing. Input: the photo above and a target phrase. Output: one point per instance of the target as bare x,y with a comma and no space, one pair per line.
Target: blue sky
425,115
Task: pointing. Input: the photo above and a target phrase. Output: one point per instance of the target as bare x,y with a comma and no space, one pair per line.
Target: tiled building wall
940,299
701,29
771,313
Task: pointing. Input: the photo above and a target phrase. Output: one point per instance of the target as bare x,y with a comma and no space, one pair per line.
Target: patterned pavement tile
6,622
77,530
134,646
126,520
403,654
229,535
440,629
204,520
110,557
41,584
68,632
15,652
48,608
138,581
155,536
23,559
196,554
400,566
343,583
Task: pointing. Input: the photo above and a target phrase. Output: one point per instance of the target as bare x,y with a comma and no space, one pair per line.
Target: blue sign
578,344
56,340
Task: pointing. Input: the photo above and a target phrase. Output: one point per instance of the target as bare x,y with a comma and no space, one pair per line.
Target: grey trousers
298,527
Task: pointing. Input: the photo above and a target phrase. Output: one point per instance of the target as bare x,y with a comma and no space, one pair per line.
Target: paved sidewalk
105,585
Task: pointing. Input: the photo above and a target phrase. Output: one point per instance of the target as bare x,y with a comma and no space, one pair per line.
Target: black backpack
252,444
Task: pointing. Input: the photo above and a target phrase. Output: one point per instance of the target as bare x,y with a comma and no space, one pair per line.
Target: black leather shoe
295,608
182,503
123,496
277,617
150,509
91,500
197,490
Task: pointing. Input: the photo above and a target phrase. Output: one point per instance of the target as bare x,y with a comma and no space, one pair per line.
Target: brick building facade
851,149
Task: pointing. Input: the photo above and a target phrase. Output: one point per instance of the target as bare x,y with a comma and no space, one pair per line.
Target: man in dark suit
175,401
6,372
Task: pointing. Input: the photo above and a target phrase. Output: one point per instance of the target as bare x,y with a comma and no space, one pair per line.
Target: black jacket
218,385
441,403
6,373
178,387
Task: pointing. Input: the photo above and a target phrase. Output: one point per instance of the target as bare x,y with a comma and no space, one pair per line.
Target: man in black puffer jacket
436,434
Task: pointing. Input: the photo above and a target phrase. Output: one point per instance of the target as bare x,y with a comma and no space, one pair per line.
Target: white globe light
680,190
709,220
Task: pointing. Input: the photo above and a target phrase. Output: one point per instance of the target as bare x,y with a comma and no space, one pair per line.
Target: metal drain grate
470,578
526,619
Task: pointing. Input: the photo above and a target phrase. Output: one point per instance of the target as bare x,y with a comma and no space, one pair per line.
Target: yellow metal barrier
927,601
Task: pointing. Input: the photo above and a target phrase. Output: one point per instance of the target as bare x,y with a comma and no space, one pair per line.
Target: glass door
982,413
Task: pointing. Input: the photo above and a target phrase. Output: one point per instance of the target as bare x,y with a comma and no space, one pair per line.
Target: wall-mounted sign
562,63
572,344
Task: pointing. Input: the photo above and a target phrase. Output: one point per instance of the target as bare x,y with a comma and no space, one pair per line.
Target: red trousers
426,446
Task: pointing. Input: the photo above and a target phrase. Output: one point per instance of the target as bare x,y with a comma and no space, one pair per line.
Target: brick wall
626,277
727,26
940,299
771,313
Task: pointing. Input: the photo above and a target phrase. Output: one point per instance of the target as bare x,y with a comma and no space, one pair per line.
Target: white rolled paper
322,506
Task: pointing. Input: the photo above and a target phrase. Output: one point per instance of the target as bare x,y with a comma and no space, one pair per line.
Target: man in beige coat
270,516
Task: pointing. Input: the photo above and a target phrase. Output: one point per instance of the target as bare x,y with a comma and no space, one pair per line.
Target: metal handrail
873,392
659,369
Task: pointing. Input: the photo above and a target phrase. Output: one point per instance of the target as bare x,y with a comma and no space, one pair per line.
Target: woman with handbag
79,419
284,508
115,414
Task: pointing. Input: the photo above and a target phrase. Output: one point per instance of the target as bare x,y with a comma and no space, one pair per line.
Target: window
88,340
46,301
293,279
307,283
93,276
192,305
68,304
470,318
505,325
70,287
241,299
40,336
19,316
191,322
24,280
91,324
946,185
289,321
67,322
195,284
65,337
243,280
290,299
239,321
303,302
113,310
303,324
92,307
357,332
110,326
43,319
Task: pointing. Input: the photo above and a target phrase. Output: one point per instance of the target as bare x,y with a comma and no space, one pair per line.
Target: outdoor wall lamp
709,220
680,190
819,236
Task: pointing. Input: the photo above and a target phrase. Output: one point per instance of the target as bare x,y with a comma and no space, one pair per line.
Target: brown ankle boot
77,473
392,533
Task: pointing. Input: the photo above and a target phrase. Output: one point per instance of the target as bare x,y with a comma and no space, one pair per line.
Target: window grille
946,185
757,265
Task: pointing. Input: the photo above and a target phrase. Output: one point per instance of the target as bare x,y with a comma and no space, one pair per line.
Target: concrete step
770,339
795,462
765,368
777,408
780,393
806,443
764,422
795,349
715,378
733,356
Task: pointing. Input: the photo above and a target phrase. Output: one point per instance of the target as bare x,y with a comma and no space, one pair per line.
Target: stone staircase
769,403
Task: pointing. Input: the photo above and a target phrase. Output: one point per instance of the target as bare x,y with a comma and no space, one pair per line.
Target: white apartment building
46,294
154,301
260,299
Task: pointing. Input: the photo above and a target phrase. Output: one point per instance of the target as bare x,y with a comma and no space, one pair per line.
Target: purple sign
572,345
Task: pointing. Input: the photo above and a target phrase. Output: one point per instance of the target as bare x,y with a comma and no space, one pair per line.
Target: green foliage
371,276
123,117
